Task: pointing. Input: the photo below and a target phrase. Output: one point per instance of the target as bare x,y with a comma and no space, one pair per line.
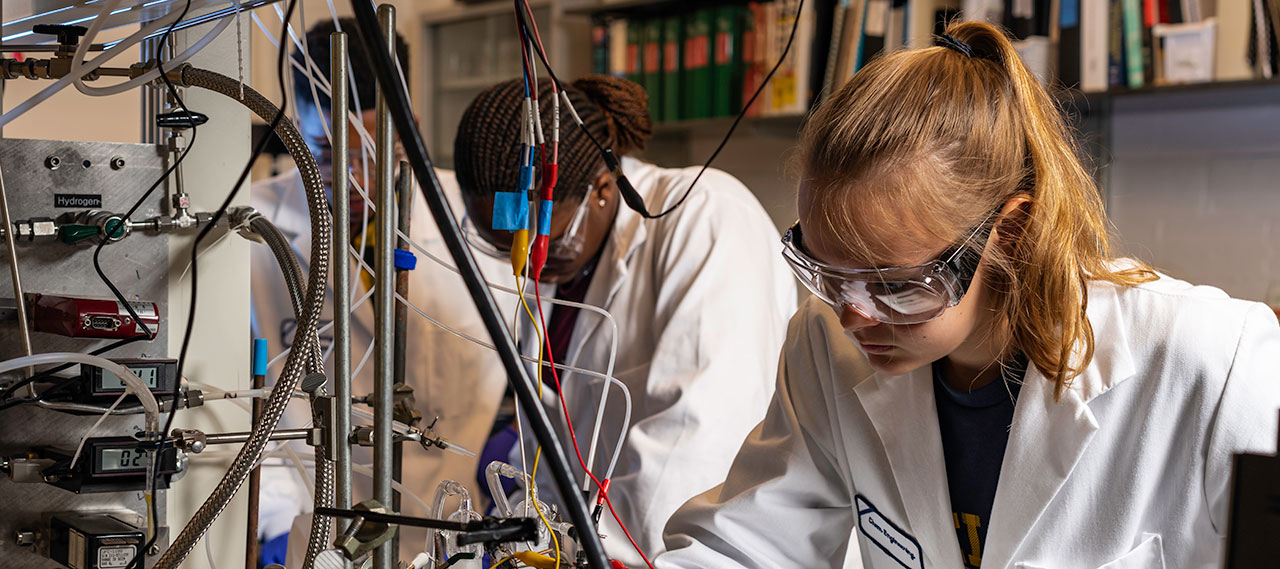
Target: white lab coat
701,298
1130,470
453,379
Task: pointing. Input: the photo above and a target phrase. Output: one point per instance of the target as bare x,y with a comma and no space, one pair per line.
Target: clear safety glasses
900,295
566,247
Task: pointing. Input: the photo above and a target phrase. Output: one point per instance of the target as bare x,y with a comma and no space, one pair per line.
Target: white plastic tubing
319,84
186,54
133,384
80,67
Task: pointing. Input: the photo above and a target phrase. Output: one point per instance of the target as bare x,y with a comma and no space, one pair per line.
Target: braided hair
486,150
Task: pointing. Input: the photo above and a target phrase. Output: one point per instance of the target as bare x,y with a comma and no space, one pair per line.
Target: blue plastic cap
544,217
405,261
510,211
259,356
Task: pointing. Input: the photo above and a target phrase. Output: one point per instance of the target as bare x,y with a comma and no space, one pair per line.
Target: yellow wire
503,560
538,455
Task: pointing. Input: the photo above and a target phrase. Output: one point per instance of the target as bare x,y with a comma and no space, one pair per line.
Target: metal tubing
150,95
384,290
518,377
240,438
19,301
341,274
404,210
255,483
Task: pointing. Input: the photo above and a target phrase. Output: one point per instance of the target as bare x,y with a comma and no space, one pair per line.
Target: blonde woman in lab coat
992,388
700,297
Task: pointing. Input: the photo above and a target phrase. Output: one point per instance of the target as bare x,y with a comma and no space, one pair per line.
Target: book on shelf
726,58
708,60
697,64
617,43
599,46
652,63
634,54
672,82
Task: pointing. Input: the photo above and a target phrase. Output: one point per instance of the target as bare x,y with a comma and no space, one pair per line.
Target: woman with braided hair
700,297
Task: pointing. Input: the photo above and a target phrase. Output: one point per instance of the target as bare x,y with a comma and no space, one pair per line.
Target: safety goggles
900,295
566,247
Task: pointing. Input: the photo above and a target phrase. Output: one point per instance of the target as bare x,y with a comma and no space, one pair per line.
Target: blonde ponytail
958,135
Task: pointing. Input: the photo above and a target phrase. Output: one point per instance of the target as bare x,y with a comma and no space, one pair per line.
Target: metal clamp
363,536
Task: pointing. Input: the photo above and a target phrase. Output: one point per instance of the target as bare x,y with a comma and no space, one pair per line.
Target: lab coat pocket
1147,555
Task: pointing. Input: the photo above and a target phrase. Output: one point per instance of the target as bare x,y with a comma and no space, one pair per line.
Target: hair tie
951,42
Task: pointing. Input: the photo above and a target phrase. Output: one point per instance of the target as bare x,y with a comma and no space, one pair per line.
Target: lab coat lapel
904,414
1048,437
612,273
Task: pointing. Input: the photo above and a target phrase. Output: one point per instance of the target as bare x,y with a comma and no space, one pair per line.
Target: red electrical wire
573,436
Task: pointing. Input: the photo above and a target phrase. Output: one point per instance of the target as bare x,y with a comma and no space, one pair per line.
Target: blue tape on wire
544,217
405,260
259,356
526,177
510,211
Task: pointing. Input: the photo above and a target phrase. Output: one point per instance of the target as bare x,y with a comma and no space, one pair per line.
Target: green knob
76,233
114,228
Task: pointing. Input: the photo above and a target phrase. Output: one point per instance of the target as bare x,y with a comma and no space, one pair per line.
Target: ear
1013,219
605,188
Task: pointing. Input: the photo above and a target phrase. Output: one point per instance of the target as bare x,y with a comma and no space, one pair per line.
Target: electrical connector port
106,323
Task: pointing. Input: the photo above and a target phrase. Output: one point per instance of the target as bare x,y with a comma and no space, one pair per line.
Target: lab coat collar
903,412
1049,436
628,234
1046,441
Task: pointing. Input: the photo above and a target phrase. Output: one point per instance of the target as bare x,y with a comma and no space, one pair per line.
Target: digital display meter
111,464
120,460
160,376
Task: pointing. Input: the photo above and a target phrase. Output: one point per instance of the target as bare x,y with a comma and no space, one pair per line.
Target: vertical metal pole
12,251
404,210
338,73
384,288
150,96
259,377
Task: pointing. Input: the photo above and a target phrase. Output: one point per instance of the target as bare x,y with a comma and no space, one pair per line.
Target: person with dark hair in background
700,298
453,380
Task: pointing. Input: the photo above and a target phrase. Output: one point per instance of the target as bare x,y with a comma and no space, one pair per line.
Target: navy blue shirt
975,429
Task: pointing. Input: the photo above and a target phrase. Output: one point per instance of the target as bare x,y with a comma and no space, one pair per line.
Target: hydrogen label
79,201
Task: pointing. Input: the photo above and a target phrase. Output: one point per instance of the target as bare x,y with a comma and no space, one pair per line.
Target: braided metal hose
317,283
320,537
292,273
324,487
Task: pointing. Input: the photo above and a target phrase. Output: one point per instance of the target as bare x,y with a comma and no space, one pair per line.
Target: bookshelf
466,48
683,140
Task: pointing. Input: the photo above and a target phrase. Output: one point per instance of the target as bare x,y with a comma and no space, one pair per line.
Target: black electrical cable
97,266
396,98
195,248
108,229
8,392
633,199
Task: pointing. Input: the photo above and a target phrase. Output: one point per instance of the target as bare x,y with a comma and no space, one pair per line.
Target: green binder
652,59
635,59
698,90
672,49
726,57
